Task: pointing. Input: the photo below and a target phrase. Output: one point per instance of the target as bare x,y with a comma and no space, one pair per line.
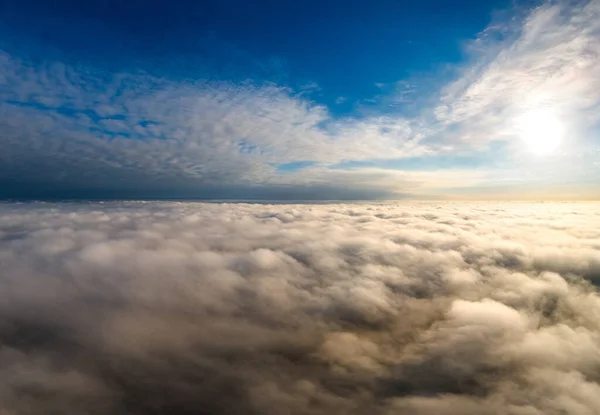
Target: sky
299,100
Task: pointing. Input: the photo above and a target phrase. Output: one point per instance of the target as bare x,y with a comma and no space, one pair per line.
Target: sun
541,130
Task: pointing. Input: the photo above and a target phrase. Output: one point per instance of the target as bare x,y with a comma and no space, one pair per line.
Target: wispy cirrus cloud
549,60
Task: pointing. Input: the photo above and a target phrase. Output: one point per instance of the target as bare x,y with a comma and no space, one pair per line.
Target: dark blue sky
344,47
306,100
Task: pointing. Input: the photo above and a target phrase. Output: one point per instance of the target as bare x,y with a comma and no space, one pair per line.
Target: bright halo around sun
541,130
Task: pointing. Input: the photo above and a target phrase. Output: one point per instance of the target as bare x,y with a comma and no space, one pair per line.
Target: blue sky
299,100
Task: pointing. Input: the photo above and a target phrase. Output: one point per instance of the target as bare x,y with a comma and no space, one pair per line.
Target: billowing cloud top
70,129
177,308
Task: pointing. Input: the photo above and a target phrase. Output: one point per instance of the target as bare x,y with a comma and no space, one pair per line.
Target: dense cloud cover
391,308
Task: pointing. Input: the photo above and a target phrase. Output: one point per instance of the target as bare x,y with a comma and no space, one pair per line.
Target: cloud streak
549,60
147,308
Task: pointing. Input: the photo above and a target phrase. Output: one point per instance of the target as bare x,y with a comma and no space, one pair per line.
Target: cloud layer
175,308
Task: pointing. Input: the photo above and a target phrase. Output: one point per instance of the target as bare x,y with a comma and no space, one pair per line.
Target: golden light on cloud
541,130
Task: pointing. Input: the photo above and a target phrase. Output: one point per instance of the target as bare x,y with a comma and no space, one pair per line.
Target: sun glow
541,130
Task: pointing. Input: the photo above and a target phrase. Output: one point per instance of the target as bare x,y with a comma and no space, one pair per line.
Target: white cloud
550,61
346,308
205,132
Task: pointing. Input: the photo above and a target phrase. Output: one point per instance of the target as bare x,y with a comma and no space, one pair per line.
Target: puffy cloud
86,129
427,308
